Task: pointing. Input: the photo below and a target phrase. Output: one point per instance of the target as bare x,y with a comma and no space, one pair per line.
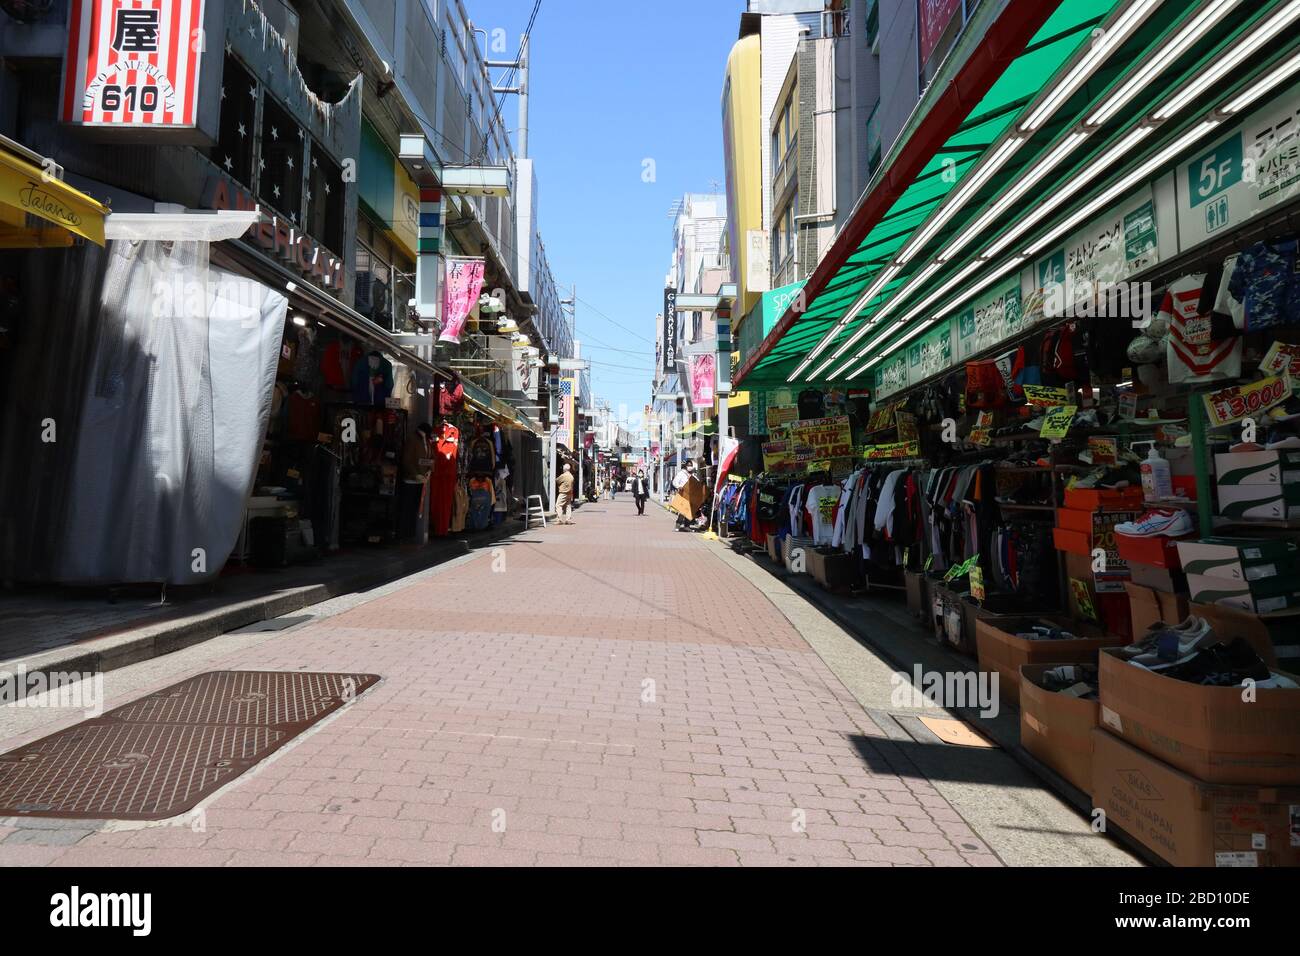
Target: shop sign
906,426
891,376
977,583
669,333
1046,396
1252,169
1056,424
703,371
778,456
898,449
1103,537
822,438
279,237
1239,401
1081,276
992,318
779,416
133,65
564,418
757,268
932,18
524,377
932,354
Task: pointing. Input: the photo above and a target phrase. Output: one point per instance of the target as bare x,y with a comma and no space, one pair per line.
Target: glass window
280,173
325,192
234,150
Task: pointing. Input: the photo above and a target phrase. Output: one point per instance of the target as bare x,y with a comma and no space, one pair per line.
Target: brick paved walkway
604,693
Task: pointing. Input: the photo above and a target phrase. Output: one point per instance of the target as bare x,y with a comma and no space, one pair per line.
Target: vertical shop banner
932,18
758,266
564,419
703,375
133,63
460,292
670,331
1249,171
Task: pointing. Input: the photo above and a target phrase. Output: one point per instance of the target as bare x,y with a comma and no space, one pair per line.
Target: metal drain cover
159,756
274,624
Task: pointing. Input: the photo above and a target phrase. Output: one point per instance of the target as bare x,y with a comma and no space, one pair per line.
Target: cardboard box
1057,728
949,620
1188,822
833,569
1275,637
1274,502
1148,606
1208,732
1261,597
773,546
1002,653
1239,559
1159,579
1278,467
1158,551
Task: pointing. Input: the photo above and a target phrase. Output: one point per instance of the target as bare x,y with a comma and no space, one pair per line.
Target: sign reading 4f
132,63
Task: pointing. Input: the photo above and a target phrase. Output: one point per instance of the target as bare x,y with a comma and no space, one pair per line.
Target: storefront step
213,617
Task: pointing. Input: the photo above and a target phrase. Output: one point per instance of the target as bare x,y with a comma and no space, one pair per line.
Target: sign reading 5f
1217,170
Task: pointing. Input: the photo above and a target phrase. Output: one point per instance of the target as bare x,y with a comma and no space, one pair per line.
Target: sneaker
1290,441
1164,646
1159,522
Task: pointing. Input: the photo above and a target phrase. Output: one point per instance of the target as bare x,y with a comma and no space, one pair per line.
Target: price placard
1231,405
1056,424
1046,396
1105,451
977,583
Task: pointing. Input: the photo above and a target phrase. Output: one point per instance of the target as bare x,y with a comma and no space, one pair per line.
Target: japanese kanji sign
132,63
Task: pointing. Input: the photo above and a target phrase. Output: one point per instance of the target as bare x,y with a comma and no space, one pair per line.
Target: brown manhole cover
159,756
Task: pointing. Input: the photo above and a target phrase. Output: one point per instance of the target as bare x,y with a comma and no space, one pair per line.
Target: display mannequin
372,380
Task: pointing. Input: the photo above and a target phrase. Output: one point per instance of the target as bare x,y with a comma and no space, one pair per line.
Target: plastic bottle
1157,476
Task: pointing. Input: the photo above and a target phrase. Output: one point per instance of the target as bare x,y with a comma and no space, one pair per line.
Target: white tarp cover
175,408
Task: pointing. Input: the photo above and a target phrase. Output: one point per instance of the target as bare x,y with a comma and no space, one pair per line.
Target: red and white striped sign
132,63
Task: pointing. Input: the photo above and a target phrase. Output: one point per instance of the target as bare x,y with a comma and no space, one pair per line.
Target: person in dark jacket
640,491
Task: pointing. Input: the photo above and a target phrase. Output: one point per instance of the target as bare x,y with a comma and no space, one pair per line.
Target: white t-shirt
821,517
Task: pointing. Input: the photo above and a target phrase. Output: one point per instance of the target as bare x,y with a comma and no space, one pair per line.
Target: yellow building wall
742,147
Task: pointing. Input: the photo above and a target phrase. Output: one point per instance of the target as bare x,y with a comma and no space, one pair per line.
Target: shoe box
1157,578
1278,467
1001,652
1079,531
917,587
1189,822
1216,734
1263,596
1271,502
1056,727
1240,559
1149,606
1157,551
1091,499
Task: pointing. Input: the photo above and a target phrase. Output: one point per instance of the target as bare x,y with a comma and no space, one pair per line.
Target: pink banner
460,291
703,375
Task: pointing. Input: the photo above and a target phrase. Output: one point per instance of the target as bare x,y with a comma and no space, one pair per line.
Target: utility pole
520,66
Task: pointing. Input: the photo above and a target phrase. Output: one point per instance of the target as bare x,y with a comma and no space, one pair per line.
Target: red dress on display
445,461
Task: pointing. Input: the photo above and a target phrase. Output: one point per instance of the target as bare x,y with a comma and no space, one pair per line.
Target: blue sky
614,84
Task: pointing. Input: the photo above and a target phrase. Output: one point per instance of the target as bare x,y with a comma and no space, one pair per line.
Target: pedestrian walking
640,491
564,496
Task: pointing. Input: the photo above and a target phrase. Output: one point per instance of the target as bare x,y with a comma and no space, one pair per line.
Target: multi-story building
363,143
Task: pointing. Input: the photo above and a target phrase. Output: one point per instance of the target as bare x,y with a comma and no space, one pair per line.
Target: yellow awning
24,187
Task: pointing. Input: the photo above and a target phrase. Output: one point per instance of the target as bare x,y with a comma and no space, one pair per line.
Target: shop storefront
1050,403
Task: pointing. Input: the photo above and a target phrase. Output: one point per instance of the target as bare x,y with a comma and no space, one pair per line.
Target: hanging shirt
821,502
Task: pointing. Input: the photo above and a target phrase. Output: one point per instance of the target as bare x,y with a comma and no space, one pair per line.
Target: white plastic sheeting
175,408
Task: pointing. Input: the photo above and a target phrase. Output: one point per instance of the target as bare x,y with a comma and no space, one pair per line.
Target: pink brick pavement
606,693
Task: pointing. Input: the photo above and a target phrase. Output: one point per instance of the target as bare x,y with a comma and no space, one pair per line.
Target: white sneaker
1158,522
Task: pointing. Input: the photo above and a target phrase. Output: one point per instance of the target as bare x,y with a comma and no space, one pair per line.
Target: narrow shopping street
608,692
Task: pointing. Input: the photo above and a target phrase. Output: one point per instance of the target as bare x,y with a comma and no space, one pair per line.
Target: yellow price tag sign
977,583
1058,420
1046,396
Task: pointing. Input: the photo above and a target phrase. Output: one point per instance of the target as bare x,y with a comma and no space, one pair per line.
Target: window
325,192
373,285
234,149
279,171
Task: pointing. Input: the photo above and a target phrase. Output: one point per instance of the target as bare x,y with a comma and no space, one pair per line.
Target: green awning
1053,52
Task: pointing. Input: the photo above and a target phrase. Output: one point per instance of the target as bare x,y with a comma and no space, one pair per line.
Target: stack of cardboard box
1085,524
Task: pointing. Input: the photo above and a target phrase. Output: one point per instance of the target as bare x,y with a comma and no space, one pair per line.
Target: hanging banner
1046,396
822,438
932,18
565,418
129,64
464,282
703,372
669,331
1245,173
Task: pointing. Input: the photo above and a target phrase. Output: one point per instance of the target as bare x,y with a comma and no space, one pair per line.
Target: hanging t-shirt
812,404
1192,352
820,508
1265,281
1225,303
